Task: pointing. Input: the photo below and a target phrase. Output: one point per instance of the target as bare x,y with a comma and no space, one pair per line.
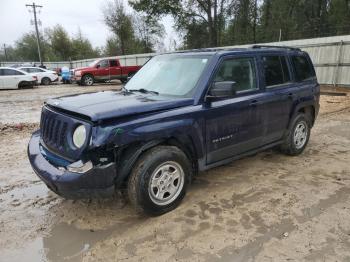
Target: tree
121,25
112,47
82,48
339,16
208,13
26,48
148,32
60,43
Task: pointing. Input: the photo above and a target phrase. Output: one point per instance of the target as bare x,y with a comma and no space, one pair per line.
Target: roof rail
275,46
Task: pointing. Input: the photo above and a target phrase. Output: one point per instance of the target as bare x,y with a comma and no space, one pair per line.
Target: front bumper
97,182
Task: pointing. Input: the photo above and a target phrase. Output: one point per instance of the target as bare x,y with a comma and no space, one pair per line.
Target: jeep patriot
182,113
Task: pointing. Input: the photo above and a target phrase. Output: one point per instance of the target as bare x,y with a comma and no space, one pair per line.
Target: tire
297,136
46,81
87,80
152,188
25,85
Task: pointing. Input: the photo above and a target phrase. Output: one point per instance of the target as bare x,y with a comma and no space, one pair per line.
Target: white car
13,78
45,77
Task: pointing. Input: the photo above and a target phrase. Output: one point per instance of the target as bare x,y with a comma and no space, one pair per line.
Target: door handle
254,103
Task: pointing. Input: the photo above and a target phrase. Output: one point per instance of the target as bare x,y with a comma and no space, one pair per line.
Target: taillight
35,78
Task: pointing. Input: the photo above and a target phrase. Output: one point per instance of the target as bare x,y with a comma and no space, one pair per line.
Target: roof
253,48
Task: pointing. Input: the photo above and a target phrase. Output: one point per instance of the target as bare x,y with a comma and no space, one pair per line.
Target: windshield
93,63
174,75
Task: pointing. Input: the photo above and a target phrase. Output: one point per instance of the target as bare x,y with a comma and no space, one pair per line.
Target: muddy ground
268,207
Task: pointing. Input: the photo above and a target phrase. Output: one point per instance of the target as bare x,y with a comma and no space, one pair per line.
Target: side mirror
98,66
222,89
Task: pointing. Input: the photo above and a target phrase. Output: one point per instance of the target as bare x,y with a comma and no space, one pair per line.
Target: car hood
81,68
111,104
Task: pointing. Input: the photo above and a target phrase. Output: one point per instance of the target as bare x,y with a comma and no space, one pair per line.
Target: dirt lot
269,207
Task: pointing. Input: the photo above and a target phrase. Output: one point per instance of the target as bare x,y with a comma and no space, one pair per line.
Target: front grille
53,131
56,133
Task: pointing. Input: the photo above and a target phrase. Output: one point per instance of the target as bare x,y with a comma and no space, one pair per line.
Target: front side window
103,64
26,69
238,70
172,74
276,70
302,68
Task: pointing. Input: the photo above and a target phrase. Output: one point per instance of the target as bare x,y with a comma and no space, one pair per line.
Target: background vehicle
104,70
182,113
45,77
12,78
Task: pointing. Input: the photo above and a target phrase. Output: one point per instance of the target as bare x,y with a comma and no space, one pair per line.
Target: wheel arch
86,74
307,108
127,156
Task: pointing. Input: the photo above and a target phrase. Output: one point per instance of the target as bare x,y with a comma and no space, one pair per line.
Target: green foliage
56,45
206,23
132,33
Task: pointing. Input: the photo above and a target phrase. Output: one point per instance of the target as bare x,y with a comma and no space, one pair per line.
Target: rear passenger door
115,69
11,78
304,76
279,94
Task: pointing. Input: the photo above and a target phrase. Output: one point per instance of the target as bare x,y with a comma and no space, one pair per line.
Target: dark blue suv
181,113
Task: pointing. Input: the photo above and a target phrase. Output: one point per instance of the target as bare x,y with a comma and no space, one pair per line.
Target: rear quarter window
303,68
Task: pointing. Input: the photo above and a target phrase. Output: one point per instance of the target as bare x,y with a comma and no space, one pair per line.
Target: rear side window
276,70
10,72
113,63
302,68
35,70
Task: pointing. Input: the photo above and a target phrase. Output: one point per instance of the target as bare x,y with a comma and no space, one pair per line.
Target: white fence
330,55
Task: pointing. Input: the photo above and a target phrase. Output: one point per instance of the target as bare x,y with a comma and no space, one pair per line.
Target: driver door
103,70
234,124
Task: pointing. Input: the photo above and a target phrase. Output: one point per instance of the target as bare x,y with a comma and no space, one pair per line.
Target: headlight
77,73
79,136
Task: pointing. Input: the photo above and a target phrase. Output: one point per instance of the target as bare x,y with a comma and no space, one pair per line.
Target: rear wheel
25,85
46,81
158,181
87,80
298,136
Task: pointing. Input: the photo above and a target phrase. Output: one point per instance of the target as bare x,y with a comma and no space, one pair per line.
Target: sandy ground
268,207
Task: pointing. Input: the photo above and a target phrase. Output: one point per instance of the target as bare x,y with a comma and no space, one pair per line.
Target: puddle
64,243
68,243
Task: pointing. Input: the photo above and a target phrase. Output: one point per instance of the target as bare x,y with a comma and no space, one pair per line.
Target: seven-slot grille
53,130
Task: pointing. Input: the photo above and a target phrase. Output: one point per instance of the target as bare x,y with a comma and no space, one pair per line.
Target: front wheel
298,136
158,181
87,80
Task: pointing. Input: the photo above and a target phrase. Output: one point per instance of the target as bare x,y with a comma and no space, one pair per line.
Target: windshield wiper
143,90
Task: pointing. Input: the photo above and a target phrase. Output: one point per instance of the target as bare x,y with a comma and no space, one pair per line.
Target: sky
15,19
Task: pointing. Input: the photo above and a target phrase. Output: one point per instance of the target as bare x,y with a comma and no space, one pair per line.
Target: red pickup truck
103,70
